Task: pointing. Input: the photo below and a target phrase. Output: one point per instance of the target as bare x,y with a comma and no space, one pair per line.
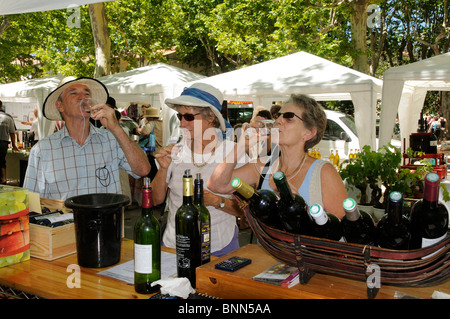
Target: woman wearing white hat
200,150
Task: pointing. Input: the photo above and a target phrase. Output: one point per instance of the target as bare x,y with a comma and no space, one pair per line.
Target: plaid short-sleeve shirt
60,168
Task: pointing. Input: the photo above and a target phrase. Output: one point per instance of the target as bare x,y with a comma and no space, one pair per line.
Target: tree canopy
214,36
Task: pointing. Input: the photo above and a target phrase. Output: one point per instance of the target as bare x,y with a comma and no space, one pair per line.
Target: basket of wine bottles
401,251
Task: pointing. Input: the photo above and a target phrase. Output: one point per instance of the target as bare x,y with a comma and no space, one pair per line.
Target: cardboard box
14,225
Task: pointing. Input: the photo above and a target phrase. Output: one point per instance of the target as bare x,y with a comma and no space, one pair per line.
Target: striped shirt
60,168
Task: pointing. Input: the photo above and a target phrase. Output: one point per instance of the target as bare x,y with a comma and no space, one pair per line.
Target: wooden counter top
48,279
239,285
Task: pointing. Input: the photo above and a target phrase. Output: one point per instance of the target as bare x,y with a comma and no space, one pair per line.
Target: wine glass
86,105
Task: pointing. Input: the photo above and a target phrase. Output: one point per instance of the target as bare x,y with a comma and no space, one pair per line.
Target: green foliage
383,167
218,35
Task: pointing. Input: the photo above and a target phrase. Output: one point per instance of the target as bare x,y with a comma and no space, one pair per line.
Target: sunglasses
188,117
287,115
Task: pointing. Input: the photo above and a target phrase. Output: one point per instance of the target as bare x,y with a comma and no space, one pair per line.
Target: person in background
444,128
34,125
128,124
153,126
435,127
301,125
80,158
274,109
201,148
7,133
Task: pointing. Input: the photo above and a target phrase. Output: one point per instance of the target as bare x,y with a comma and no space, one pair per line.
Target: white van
340,135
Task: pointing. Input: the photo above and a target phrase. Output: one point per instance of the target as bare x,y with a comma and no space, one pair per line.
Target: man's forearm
135,155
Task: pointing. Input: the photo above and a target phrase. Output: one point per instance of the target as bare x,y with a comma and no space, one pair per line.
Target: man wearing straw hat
80,158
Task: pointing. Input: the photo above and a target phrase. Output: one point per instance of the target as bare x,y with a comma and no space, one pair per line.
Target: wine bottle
326,225
357,226
52,219
147,246
262,203
205,219
292,208
187,231
429,218
393,229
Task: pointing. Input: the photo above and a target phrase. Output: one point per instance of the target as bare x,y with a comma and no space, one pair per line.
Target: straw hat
201,95
99,92
151,112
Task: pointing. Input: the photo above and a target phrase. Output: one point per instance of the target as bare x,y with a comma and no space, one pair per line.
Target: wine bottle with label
394,230
326,225
357,226
205,219
147,246
429,218
262,203
187,231
52,219
292,208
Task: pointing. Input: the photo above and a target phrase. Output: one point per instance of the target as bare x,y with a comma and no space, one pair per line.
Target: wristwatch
222,203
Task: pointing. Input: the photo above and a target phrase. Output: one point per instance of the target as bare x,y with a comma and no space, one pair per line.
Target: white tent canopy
305,73
150,84
31,91
404,91
23,6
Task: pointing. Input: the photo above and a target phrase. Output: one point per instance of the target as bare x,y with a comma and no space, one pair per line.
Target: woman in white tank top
300,125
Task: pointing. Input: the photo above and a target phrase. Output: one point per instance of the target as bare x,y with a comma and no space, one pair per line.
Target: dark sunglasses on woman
188,117
287,115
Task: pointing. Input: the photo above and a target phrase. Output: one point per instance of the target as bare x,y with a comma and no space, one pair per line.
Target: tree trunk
101,40
358,20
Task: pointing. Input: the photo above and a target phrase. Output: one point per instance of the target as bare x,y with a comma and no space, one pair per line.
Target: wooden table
48,279
239,285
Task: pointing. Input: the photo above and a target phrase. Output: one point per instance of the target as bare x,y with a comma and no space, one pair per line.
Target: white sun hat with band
201,95
99,93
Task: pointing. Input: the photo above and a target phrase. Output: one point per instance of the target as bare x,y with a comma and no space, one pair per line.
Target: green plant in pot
353,174
391,176
372,164
409,182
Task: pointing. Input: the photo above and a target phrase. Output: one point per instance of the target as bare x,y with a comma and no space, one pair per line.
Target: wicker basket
311,254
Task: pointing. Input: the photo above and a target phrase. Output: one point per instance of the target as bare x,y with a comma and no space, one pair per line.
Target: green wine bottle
292,208
205,219
147,246
326,225
187,231
262,203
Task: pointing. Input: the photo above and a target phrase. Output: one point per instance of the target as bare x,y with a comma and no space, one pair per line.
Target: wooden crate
52,243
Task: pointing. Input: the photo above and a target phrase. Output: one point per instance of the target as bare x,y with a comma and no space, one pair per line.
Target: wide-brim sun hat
201,95
151,112
99,93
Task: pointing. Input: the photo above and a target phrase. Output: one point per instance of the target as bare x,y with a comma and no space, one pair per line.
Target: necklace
298,169
204,163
